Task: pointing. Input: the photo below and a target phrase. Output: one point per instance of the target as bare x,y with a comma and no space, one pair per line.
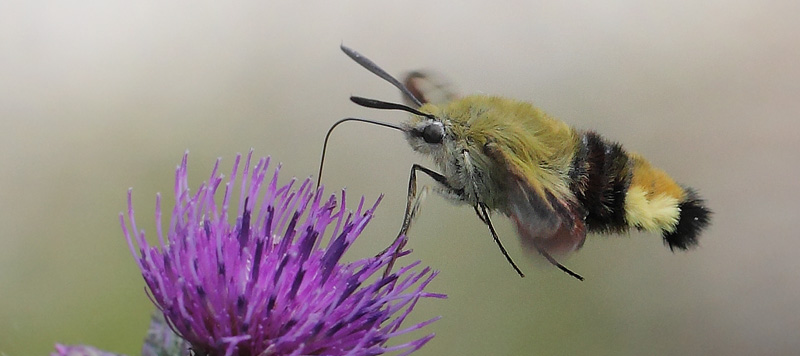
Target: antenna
374,68
385,105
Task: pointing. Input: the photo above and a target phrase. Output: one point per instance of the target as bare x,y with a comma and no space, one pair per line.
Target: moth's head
424,93
427,134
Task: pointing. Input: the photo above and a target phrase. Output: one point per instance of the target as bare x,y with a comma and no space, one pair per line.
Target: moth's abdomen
600,177
619,190
694,217
656,203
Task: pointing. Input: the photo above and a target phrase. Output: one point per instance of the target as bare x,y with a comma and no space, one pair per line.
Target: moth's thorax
473,122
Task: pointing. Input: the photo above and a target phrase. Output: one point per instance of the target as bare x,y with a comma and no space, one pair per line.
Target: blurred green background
99,96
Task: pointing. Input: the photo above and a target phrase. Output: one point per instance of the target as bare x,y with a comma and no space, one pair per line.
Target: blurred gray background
99,96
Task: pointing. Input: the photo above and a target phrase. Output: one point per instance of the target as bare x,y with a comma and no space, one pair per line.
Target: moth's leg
483,214
412,208
413,203
480,216
555,263
485,218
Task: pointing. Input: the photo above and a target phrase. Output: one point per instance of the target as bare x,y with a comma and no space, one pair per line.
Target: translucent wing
430,87
546,222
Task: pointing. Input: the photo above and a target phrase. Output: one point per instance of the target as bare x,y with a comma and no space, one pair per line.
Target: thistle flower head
270,281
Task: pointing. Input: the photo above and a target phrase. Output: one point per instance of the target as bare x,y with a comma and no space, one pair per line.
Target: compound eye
433,133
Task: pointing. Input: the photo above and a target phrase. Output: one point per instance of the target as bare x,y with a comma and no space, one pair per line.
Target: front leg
413,203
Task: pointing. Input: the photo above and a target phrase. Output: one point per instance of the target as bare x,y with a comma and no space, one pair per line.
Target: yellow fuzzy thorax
537,146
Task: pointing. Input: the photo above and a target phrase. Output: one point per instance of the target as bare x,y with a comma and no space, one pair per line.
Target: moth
556,183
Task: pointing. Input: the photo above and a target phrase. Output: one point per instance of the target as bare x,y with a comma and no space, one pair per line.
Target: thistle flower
267,284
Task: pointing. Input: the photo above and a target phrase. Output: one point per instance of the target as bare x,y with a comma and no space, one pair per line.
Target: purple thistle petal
263,285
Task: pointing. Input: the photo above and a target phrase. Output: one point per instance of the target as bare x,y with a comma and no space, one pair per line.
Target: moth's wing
430,87
546,222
